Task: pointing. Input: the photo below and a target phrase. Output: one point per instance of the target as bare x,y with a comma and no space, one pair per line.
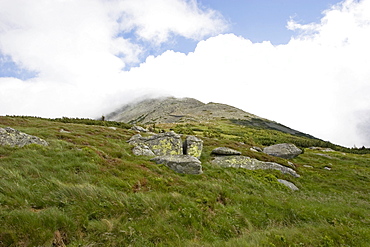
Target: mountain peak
183,110
174,110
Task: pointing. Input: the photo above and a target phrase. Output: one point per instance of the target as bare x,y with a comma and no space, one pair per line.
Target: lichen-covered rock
12,137
290,185
250,164
225,151
168,143
193,146
186,164
283,150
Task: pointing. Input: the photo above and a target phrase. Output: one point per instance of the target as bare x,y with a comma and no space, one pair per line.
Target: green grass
87,189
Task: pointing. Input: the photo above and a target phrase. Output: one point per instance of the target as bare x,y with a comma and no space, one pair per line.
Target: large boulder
245,162
225,151
186,164
168,143
283,150
12,137
193,146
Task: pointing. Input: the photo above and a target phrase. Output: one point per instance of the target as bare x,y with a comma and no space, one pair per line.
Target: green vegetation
87,189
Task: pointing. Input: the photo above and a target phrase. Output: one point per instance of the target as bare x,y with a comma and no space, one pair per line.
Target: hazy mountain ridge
180,110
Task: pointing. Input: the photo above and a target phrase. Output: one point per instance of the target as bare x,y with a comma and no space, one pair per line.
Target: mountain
185,110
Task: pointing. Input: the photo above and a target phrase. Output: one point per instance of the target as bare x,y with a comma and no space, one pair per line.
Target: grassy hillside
87,189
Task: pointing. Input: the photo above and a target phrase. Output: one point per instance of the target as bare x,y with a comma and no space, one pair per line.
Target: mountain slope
183,110
86,188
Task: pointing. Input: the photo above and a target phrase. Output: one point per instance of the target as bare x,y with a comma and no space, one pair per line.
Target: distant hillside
174,110
184,110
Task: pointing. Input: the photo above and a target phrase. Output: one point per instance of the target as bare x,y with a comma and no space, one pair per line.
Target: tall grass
87,189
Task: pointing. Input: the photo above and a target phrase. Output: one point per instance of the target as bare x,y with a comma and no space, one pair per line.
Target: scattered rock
225,151
186,164
283,150
322,149
12,137
112,128
327,168
139,129
64,131
250,164
290,185
325,155
193,146
308,166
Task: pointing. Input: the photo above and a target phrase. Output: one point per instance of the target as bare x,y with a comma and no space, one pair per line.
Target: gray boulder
193,146
251,164
290,185
283,150
142,150
12,137
225,151
168,143
186,164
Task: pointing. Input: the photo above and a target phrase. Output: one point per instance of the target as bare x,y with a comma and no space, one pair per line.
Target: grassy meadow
87,189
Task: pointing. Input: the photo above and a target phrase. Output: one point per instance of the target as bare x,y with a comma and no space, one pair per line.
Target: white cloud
317,83
157,20
79,48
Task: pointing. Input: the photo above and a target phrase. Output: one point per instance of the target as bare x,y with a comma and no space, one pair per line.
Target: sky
304,64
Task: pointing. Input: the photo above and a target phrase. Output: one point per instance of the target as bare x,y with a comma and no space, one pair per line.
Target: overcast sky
305,64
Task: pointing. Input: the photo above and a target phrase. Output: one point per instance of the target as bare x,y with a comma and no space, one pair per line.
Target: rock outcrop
186,164
168,143
169,150
245,162
193,146
12,137
225,151
283,150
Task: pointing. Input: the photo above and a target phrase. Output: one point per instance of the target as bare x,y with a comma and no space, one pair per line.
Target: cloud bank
79,49
317,83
